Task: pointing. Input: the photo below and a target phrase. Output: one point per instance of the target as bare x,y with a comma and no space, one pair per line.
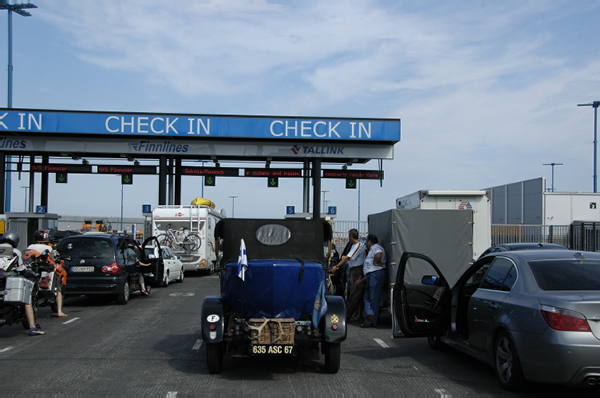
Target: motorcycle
18,287
48,273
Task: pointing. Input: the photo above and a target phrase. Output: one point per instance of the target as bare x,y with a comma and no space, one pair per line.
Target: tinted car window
567,274
510,280
87,248
497,274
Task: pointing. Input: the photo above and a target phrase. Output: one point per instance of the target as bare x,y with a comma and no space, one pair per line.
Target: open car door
421,302
153,274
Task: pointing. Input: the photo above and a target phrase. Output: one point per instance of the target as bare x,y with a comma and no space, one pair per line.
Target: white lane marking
7,349
381,343
70,320
182,294
171,394
197,345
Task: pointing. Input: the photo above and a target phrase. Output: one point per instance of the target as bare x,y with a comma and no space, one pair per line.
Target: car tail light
114,268
567,320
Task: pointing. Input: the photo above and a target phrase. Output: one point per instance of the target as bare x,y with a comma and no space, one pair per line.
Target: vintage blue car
274,299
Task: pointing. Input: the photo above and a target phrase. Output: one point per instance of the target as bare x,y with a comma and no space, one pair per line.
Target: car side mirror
429,280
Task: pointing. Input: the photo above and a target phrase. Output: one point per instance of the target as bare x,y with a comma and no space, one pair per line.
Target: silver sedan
533,315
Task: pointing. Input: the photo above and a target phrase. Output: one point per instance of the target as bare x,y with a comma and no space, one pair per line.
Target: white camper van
197,221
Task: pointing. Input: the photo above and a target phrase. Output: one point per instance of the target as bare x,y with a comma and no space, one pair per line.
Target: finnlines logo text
9,143
317,150
167,146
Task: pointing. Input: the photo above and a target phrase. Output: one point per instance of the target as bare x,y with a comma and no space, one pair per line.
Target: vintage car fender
334,325
213,322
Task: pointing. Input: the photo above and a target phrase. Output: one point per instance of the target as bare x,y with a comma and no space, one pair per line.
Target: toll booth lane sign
354,174
272,173
210,171
60,168
126,170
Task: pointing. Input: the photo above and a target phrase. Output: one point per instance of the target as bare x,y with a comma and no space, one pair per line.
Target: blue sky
487,91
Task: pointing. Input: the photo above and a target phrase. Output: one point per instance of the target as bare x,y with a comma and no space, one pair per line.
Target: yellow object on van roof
200,201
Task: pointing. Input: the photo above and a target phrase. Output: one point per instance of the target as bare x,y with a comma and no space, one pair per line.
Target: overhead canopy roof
234,137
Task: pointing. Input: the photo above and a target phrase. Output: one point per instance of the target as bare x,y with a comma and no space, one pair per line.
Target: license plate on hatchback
83,269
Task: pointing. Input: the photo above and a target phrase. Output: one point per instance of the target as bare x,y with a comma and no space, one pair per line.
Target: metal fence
577,236
341,228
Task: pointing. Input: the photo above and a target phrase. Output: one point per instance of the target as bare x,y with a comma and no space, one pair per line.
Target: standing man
355,259
375,276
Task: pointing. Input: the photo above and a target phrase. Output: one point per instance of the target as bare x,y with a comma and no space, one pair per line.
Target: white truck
181,220
477,201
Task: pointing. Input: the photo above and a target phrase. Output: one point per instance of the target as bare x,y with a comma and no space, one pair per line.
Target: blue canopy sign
198,126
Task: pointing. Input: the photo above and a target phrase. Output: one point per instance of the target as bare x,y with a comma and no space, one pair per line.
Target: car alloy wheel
123,297
507,364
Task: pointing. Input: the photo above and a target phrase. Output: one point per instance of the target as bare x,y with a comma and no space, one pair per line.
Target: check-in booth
25,224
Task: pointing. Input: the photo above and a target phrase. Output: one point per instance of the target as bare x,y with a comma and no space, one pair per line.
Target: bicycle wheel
188,244
164,240
196,242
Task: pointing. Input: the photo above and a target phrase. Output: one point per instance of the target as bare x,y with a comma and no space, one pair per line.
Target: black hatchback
101,264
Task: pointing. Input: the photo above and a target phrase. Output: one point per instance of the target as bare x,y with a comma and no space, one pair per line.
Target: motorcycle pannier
18,290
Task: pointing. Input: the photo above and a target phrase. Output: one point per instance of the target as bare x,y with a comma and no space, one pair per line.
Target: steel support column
306,187
316,188
44,185
177,181
2,181
162,180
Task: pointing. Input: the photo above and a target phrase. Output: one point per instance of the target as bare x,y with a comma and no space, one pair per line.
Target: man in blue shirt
375,274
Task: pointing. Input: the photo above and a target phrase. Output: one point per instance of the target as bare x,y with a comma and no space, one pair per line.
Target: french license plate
83,269
272,349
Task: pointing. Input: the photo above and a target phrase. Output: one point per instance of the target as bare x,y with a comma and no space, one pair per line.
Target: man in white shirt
375,275
355,259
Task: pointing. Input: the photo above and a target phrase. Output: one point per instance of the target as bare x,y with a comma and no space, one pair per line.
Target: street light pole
595,106
26,188
553,164
121,206
19,9
233,207
324,201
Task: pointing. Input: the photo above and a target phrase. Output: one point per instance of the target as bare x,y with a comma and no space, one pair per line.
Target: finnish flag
242,261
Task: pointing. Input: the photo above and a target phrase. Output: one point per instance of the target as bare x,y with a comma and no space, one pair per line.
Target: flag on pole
320,307
242,261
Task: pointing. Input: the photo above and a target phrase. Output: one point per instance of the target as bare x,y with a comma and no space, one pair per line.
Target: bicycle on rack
179,239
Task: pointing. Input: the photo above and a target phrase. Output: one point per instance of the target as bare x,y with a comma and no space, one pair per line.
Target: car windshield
86,248
567,274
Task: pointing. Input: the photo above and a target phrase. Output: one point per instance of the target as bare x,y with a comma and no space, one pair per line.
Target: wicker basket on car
272,331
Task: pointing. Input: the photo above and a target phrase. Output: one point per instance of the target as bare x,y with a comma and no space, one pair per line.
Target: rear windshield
567,274
87,248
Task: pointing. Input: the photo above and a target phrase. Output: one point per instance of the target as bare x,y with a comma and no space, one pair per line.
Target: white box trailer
191,219
476,201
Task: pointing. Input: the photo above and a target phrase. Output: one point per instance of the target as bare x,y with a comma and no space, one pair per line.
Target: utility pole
233,206
19,9
595,106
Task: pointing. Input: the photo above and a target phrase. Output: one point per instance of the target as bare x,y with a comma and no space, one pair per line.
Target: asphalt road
152,346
